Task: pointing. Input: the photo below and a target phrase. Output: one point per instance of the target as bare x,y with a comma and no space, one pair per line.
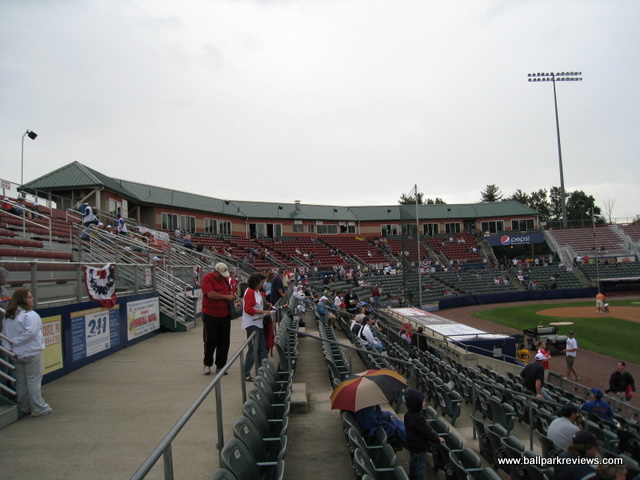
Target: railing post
167,459
219,420
136,271
154,278
78,282
34,279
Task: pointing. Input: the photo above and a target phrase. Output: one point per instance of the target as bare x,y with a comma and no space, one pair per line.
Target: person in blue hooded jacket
420,436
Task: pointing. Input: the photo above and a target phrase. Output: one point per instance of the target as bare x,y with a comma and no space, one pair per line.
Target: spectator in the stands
598,406
583,446
563,428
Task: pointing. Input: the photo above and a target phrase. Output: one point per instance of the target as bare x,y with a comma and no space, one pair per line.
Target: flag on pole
101,284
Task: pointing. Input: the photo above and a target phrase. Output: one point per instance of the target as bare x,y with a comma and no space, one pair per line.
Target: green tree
581,206
437,201
520,197
411,199
491,193
555,203
539,201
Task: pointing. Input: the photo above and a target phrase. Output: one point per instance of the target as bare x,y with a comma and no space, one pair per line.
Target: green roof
76,175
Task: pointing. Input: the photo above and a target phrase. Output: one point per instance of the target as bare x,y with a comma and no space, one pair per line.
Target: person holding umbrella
363,394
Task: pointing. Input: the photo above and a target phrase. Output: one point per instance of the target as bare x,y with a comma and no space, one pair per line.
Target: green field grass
607,335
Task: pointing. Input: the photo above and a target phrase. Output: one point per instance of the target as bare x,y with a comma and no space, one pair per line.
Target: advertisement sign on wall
143,316
93,331
52,358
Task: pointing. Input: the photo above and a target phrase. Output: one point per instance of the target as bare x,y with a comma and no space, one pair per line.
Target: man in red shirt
216,321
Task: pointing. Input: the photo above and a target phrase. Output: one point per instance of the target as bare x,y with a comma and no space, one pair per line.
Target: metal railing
6,365
60,283
30,222
164,448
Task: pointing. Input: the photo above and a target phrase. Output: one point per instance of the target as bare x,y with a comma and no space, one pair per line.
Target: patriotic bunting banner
101,284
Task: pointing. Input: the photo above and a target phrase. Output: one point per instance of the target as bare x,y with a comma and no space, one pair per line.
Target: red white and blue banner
101,284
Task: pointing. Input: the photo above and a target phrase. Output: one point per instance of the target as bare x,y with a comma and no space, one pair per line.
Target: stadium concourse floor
110,415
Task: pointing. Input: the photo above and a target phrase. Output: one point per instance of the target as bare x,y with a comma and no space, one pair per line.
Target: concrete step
299,398
8,415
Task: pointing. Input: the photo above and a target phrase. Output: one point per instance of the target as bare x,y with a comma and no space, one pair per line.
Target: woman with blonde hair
23,327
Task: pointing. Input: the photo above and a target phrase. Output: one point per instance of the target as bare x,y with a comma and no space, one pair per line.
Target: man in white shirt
562,429
571,352
366,335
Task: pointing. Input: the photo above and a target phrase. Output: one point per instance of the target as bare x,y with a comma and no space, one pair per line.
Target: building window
430,229
389,230
323,229
170,221
522,225
452,227
225,227
298,227
187,223
493,226
311,228
211,226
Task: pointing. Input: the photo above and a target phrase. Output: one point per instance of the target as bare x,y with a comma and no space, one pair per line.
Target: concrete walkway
110,415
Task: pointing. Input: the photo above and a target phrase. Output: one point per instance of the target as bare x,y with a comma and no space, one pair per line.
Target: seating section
458,248
476,282
611,270
358,248
24,238
631,231
582,240
541,277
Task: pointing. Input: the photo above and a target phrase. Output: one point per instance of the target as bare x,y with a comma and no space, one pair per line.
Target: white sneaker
206,370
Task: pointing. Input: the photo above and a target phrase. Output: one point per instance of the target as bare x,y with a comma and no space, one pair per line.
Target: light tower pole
558,77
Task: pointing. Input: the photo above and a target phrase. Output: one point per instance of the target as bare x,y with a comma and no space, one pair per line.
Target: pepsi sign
511,240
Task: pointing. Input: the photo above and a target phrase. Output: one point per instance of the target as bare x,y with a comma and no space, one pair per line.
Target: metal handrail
24,219
164,447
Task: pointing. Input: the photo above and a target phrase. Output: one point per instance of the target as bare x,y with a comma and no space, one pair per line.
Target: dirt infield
594,368
631,314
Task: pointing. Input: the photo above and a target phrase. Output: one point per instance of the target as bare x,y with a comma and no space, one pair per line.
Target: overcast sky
345,102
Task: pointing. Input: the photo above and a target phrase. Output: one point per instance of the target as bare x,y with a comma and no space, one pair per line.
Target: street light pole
595,247
558,77
32,136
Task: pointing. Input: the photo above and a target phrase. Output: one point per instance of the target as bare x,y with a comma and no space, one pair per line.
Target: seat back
512,448
223,474
548,446
465,464
238,460
363,463
245,431
495,432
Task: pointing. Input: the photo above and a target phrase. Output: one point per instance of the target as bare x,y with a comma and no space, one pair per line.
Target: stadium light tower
32,136
558,77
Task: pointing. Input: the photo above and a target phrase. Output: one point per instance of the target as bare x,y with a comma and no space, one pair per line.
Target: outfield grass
607,335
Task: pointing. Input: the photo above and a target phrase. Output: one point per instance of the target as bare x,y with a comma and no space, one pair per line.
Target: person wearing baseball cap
583,445
216,317
563,428
598,406
533,377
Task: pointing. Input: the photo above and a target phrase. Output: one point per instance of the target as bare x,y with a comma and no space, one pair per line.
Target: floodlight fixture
558,77
32,136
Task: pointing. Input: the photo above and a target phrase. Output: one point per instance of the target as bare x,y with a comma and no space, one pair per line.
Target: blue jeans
417,465
28,374
262,349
